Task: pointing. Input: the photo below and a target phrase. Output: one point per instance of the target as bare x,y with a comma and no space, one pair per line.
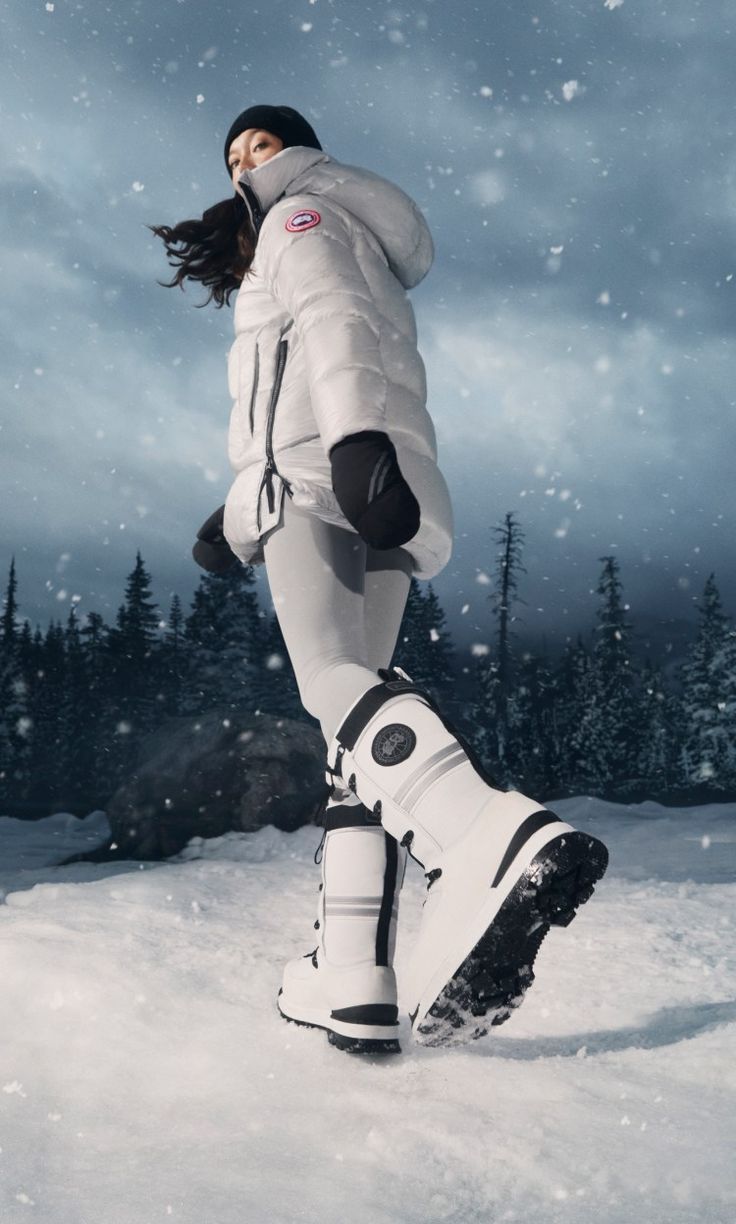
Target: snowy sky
576,163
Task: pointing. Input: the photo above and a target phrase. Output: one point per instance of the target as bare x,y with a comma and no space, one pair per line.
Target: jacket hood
387,211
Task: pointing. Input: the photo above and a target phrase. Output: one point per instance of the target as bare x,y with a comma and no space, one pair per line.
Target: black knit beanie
281,121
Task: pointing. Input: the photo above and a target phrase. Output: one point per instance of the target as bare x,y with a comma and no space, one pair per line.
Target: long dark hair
217,250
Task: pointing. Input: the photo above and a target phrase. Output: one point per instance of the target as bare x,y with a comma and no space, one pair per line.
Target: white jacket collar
388,212
270,180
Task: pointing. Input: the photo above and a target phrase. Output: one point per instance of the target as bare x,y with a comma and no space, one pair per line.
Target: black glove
370,490
212,550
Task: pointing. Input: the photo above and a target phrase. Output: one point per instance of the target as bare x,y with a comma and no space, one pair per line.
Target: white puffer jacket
325,346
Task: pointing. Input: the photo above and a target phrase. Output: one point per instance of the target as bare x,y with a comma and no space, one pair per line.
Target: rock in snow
205,776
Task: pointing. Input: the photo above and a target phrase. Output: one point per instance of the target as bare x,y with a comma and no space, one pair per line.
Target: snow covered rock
216,773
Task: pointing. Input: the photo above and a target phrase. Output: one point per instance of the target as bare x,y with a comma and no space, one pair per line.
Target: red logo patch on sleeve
304,219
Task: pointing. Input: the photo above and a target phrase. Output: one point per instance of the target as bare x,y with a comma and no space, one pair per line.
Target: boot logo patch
393,744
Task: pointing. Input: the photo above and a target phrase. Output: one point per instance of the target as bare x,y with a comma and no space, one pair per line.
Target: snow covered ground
145,1075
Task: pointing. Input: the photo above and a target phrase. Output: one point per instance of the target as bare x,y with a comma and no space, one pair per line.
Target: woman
338,492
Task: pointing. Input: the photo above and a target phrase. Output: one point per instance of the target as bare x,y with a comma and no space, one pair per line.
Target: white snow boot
500,868
347,985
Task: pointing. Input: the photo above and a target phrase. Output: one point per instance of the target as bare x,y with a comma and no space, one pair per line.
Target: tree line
77,703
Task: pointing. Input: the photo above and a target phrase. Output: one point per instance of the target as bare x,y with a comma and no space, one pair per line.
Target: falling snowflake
137,186
613,4
570,90
200,99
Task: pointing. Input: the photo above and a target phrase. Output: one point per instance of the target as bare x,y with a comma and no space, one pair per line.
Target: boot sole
348,1041
492,980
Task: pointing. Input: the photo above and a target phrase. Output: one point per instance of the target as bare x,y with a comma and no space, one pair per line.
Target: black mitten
370,490
212,550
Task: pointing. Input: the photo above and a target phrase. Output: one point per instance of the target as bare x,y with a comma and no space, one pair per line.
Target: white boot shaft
347,985
501,868
406,765
362,872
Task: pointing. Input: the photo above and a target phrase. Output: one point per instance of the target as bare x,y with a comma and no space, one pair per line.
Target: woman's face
250,149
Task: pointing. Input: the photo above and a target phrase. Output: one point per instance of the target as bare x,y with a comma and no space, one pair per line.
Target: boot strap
369,704
349,816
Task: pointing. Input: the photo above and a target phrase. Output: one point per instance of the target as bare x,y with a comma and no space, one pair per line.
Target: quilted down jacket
325,346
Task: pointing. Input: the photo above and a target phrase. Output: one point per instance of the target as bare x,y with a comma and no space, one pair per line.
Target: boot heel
364,1045
380,1025
567,872
491,982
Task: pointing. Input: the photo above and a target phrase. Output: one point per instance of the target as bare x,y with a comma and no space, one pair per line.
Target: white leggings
339,604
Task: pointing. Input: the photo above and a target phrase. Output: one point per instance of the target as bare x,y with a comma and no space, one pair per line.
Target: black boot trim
531,825
383,1014
364,1045
348,816
371,702
383,929
368,705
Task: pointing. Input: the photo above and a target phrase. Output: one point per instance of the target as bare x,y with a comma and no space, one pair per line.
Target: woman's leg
339,606
387,579
340,625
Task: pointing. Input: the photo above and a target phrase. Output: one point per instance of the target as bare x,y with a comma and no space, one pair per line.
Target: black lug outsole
363,1045
493,979
349,1045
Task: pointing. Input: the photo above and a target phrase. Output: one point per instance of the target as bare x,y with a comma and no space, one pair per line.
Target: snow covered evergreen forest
77,702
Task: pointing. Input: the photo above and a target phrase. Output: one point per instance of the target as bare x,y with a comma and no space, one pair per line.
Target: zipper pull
269,488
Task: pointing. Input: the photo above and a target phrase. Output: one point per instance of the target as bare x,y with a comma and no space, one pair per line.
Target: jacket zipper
271,469
254,392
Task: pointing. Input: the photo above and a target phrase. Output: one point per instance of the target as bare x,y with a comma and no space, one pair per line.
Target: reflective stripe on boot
501,868
347,985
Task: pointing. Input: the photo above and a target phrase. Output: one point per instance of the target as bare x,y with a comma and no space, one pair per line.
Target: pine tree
46,782
708,753
136,637
441,648
225,636
530,753
275,689
494,675
605,738
424,645
14,719
173,661
105,766
8,633
656,721
572,688
132,656
79,724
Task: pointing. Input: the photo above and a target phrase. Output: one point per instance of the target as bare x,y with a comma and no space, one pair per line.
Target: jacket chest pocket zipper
253,392
271,468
